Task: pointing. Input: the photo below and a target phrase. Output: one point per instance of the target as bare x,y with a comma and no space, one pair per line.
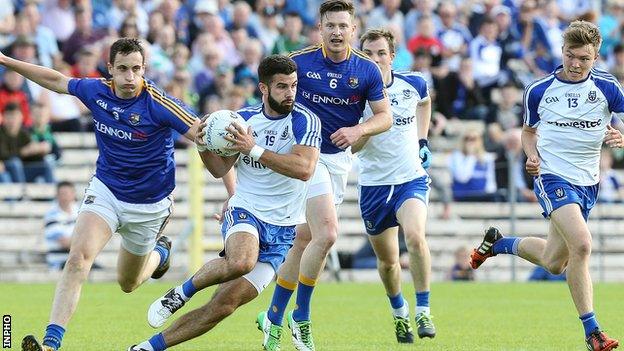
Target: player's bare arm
423,117
529,144
217,165
46,77
192,132
299,163
613,137
380,122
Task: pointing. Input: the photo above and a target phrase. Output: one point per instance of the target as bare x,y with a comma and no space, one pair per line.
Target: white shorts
330,176
139,225
261,276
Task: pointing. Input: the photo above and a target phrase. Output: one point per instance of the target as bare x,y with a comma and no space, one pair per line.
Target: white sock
402,311
423,309
145,345
179,290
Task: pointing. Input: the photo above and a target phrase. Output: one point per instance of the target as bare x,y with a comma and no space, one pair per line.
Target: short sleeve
171,111
83,88
376,90
306,127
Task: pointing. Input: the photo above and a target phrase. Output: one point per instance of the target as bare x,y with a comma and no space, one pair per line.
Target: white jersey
571,120
392,157
272,197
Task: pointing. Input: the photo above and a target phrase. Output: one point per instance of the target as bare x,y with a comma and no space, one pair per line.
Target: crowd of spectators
476,55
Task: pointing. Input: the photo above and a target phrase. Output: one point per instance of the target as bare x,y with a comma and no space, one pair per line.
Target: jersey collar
560,68
325,53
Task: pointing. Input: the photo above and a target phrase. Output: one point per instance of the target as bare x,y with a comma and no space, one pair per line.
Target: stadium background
205,52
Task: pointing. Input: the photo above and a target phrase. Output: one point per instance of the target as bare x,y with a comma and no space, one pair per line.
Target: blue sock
397,301
54,336
589,323
283,291
188,288
422,299
506,246
304,297
158,342
164,254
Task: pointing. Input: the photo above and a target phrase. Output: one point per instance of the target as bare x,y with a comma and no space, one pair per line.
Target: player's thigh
572,227
412,216
321,215
386,245
130,265
90,235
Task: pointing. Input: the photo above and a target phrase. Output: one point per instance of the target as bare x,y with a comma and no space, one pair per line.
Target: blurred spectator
59,17
223,82
461,269
573,9
47,47
11,92
241,18
506,112
211,23
14,144
425,39
387,13
179,87
292,38
83,35
204,77
268,30
24,48
40,167
235,99
178,16
160,58
422,64
123,9
314,35
479,12
611,189
458,96
65,110
156,22
403,58
59,225
453,35
129,28
540,273
7,24
87,62
419,8
486,56
611,24
365,258
181,55
472,170
248,69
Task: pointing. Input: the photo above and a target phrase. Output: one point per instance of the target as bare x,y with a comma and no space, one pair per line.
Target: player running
566,117
335,82
394,187
278,155
135,174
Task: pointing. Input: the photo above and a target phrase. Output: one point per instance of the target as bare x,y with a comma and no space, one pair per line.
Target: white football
215,131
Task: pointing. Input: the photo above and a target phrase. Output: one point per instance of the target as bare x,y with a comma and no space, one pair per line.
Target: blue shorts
553,192
379,204
274,240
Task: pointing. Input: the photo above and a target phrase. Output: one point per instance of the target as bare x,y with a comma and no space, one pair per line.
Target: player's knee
327,238
240,267
77,263
581,249
388,264
415,240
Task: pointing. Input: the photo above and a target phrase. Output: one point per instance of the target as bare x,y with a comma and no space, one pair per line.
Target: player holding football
279,153
567,116
335,82
134,177
394,187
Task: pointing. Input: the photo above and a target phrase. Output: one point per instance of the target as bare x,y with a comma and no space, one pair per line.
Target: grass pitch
348,316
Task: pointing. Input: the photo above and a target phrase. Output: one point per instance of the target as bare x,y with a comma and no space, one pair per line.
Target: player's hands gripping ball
242,140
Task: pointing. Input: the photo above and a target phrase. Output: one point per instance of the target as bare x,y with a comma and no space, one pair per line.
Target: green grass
346,316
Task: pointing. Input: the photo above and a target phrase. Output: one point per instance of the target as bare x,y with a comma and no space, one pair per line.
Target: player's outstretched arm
46,77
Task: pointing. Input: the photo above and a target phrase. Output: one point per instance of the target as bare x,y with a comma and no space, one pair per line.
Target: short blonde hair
581,33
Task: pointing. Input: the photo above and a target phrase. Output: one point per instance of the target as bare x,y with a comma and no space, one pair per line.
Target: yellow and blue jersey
336,92
134,138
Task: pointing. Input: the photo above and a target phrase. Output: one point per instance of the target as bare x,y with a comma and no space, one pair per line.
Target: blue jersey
134,138
336,92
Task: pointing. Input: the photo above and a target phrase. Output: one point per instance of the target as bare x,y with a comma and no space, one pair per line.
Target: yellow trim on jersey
325,52
286,284
307,281
304,50
178,111
111,84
